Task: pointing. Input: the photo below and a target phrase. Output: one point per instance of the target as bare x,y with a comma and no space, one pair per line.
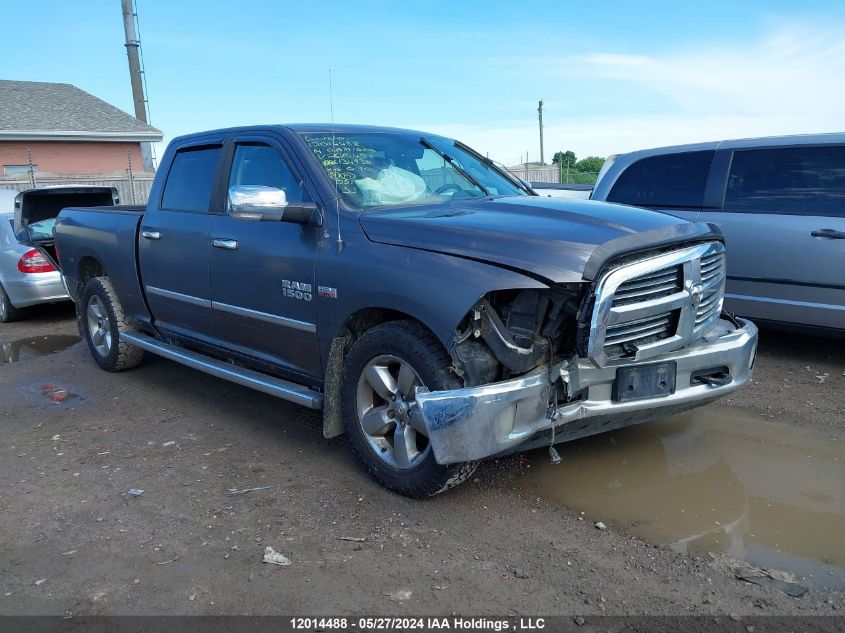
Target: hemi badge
326,291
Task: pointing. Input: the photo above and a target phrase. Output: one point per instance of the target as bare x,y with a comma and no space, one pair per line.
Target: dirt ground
72,541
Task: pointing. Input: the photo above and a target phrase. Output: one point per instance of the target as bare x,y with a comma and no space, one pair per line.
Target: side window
668,180
788,180
263,165
191,179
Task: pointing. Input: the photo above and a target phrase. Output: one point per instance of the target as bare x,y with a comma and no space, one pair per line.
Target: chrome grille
651,328
657,284
654,305
713,282
625,337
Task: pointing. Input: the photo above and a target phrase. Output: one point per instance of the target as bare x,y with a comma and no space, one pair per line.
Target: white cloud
792,72
789,81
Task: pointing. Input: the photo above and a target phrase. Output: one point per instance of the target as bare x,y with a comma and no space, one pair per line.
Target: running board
227,371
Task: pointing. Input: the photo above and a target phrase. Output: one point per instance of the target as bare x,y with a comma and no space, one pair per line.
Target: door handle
229,245
151,235
831,233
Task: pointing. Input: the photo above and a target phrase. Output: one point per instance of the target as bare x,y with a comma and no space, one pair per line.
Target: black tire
413,344
8,312
119,355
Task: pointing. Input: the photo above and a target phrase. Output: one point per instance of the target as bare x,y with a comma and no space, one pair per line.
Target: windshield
391,169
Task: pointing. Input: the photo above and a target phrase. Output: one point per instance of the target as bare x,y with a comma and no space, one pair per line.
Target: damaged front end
509,333
649,339
478,422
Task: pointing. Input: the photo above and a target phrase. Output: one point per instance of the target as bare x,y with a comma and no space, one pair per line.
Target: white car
559,190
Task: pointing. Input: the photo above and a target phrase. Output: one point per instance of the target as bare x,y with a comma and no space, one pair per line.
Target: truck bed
48,246
107,236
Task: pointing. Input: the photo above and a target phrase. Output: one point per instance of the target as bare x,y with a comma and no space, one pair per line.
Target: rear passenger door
262,272
672,183
784,225
173,248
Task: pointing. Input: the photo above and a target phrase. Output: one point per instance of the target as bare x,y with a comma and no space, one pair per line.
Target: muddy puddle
714,480
29,348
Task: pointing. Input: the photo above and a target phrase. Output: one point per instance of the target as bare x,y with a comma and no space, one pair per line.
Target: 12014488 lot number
408,623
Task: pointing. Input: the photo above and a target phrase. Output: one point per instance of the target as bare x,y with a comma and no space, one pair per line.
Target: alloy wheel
386,393
98,326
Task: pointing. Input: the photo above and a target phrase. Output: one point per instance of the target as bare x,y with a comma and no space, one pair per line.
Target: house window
19,169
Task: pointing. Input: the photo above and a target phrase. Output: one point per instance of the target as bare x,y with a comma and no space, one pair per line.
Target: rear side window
788,180
669,180
191,179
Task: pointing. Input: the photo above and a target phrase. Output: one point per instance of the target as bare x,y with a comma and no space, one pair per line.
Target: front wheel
381,373
102,323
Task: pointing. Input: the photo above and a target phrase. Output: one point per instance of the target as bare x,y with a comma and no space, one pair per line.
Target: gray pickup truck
435,308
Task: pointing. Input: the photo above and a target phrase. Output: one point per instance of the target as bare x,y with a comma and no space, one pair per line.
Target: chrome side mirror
256,202
268,204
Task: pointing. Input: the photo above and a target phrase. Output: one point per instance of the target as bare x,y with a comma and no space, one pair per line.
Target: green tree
561,158
590,164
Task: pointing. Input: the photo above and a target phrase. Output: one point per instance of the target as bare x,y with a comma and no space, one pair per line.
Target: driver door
262,272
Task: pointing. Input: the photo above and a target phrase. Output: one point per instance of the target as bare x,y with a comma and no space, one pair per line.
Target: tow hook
717,381
715,377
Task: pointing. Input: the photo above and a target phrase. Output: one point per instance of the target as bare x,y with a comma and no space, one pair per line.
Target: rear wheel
8,312
102,323
382,371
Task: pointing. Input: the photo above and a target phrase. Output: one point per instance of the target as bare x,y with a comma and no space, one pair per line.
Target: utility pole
540,112
133,45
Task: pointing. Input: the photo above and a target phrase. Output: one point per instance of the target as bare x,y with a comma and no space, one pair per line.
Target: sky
614,76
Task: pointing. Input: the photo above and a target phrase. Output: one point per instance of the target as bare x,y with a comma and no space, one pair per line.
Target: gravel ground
799,379
73,541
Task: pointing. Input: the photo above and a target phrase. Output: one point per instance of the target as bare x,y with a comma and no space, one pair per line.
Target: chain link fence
580,177
554,174
132,189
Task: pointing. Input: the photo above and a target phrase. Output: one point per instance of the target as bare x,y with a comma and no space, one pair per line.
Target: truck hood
560,240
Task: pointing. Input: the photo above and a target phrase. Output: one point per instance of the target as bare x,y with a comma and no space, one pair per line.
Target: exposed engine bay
510,332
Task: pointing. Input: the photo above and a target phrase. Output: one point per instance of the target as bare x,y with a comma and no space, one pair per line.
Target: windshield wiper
454,164
497,166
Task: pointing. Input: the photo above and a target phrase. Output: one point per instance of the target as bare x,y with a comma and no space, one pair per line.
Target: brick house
56,132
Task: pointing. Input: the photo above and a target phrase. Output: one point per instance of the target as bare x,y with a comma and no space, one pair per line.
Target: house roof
36,110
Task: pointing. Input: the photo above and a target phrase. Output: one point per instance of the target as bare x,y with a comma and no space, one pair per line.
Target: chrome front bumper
478,422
